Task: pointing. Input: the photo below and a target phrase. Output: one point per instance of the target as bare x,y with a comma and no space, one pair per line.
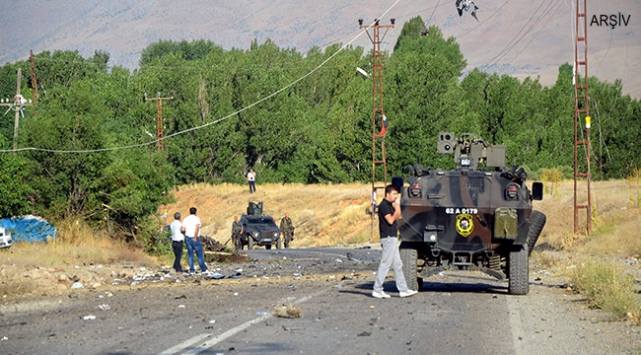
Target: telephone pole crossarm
18,103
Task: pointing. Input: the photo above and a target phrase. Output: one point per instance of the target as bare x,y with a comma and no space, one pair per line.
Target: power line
537,33
484,21
519,37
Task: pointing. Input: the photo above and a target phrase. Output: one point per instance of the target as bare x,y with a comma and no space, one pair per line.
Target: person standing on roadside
251,179
191,227
236,234
389,211
177,238
286,230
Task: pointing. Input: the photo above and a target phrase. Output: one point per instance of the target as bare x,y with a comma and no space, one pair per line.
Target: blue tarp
29,229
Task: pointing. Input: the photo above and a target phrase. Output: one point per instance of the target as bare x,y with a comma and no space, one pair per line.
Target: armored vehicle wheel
408,257
519,271
537,222
268,247
250,243
279,243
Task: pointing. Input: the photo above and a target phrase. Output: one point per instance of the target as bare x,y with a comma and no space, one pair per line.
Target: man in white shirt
177,239
251,179
191,227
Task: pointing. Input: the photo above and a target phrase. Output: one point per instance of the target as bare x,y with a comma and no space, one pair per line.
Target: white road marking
184,344
209,343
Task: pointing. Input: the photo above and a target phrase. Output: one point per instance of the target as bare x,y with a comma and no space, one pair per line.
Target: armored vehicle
259,229
477,216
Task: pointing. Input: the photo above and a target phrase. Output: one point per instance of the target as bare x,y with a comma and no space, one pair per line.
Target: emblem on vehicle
464,224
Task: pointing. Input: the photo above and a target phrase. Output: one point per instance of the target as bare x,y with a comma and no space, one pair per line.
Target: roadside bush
634,183
551,178
607,287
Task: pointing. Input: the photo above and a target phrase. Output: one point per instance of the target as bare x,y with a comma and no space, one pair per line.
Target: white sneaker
380,295
408,293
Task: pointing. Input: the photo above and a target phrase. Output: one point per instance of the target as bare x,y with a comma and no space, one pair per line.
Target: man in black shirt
389,211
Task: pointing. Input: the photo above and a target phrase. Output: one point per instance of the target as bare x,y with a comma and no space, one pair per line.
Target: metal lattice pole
378,111
581,114
160,124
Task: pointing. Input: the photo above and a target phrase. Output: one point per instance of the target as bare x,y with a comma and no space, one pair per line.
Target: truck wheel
519,271
537,222
250,243
408,257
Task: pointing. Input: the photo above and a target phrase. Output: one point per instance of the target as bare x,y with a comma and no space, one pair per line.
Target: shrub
607,287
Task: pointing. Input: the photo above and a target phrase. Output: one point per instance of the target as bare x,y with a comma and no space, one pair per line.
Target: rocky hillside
511,37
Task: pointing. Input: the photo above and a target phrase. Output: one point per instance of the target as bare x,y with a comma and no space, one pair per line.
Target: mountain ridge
515,38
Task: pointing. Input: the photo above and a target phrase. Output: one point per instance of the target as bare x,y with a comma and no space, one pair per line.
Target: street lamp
363,72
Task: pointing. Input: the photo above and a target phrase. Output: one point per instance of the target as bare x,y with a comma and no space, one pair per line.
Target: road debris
287,311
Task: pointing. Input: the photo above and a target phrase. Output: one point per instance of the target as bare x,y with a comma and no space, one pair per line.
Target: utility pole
581,113
159,121
34,84
17,104
378,112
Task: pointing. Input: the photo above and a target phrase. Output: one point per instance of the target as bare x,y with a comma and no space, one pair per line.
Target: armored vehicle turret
477,216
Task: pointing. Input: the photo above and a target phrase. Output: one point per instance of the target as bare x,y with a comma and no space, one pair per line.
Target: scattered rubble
287,311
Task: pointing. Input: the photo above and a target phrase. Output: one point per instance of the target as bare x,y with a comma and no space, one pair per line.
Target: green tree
422,81
15,192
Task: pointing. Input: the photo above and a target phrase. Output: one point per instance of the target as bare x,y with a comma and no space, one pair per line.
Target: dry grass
323,214
77,244
606,286
634,183
590,261
326,215
614,220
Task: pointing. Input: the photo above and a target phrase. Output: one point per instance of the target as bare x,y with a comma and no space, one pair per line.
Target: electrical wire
548,18
215,121
433,10
481,23
521,35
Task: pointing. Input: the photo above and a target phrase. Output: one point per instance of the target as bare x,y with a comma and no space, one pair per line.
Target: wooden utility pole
34,84
378,112
159,120
18,104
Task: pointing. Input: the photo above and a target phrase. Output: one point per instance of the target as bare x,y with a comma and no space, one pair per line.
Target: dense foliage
232,110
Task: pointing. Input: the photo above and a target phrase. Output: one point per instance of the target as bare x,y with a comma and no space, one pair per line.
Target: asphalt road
455,313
